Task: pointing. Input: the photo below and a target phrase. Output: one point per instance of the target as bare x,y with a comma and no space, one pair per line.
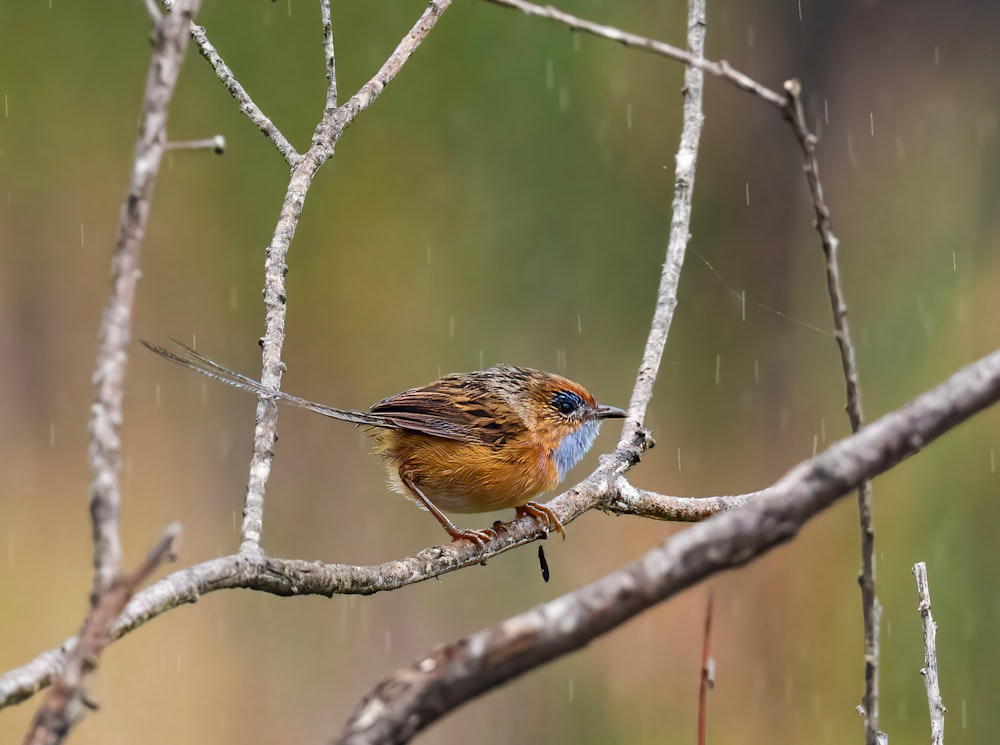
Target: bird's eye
566,402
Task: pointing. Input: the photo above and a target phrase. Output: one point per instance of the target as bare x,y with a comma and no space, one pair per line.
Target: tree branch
871,609
326,135
930,670
412,698
66,703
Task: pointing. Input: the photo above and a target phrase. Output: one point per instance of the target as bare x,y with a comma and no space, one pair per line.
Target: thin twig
331,63
707,674
412,698
216,144
930,669
685,167
65,703
704,548
327,133
720,69
247,105
871,609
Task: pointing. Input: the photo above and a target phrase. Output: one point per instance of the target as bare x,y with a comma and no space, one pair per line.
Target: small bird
468,442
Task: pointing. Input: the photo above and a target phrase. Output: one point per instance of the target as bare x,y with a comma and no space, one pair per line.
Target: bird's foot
478,537
546,516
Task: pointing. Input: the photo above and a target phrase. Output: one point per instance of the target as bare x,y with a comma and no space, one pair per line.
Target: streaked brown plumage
468,442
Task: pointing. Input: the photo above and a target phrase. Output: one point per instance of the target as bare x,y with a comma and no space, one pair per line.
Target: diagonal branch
930,669
871,609
67,701
720,69
414,697
326,135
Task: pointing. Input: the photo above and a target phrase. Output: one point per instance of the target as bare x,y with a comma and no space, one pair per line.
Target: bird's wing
457,407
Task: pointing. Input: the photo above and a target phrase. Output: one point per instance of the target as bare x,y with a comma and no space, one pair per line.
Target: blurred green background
506,199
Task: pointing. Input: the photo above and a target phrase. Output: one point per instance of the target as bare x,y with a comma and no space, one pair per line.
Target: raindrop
826,111
871,123
822,429
572,693
815,445
563,99
751,37
6,107
550,74
743,304
387,641
451,326
576,42
718,368
52,434
561,360
954,261
756,371
579,325
234,521
965,714
289,8
937,61
748,193
628,116
156,394
81,235
204,393
800,10
481,365
678,459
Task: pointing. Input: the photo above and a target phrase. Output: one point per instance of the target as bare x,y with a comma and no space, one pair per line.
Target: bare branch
685,166
247,105
627,500
331,63
170,42
66,702
930,670
216,144
871,609
719,69
327,133
707,680
414,697
729,537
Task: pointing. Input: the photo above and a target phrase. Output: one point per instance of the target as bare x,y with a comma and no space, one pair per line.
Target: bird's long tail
189,358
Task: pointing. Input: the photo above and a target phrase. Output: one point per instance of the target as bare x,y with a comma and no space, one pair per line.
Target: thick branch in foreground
930,669
412,698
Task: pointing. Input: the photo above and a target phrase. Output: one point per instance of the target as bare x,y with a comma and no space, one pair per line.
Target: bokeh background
506,199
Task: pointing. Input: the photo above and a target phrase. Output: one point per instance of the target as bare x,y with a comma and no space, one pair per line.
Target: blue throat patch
574,446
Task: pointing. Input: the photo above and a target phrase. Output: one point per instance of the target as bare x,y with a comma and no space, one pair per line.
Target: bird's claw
545,515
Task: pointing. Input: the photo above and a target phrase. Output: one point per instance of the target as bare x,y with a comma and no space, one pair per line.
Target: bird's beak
611,412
